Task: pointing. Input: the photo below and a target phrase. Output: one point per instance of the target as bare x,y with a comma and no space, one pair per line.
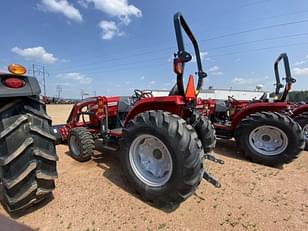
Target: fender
299,110
258,107
173,104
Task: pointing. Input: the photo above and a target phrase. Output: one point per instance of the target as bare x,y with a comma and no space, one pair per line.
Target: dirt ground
94,196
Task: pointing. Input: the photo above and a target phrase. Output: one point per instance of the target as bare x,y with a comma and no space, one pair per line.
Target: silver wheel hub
305,129
268,140
150,160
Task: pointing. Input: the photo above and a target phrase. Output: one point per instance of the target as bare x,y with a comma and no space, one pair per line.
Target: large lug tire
161,157
81,144
205,130
27,153
302,120
269,138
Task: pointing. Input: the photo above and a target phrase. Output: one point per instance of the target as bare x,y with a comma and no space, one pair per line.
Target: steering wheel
139,94
231,98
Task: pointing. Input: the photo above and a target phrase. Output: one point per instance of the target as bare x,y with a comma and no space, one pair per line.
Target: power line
202,40
256,29
104,71
95,67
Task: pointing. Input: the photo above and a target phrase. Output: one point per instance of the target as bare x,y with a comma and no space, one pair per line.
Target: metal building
220,94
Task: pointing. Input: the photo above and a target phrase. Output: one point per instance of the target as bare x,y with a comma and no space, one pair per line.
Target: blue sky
114,46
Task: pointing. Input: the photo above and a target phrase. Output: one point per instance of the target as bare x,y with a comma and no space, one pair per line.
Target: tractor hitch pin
212,158
211,180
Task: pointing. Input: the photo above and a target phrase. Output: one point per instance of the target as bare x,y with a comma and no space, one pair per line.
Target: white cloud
251,83
152,82
35,53
215,70
109,29
83,3
76,77
65,60
203,54
300,62
237,80
300,71
142,77
63,7
117,8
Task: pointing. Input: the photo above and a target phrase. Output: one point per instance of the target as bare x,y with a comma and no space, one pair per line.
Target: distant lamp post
259,87
83,93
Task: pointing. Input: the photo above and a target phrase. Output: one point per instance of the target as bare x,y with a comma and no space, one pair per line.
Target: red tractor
263,130
162,140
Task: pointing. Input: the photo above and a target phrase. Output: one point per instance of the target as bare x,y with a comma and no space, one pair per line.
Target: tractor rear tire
205,130
27,153
269,138
81,144
302,120
167,166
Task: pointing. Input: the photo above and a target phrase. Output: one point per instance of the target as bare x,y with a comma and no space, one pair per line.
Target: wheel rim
150,160
74,146
305,129
268,140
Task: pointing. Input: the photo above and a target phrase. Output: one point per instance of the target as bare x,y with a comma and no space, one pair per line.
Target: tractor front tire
81,144
162,157
27,153
205,130
302,120
269,138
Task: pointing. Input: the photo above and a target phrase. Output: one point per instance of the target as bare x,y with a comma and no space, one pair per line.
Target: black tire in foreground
302,120
81,144
205,130
27,153
269,138
161,157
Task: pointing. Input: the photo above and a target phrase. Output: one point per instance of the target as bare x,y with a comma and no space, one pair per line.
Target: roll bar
288,77
182,56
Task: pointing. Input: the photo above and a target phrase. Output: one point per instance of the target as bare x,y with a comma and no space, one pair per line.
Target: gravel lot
93,196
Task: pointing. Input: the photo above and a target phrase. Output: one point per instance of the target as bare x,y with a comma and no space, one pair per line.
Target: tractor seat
264,98
221,106
124,104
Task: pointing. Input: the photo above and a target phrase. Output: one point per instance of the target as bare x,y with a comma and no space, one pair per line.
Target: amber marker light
17,69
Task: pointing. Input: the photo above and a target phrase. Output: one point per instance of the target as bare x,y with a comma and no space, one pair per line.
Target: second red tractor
265,131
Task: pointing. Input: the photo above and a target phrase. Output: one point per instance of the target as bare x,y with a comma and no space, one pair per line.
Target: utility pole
44,82
33,70
38,70
59,90
81,93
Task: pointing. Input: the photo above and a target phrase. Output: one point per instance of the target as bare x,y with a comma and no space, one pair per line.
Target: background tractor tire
178,146
302,120
269,138
205,130
81,144
27,153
